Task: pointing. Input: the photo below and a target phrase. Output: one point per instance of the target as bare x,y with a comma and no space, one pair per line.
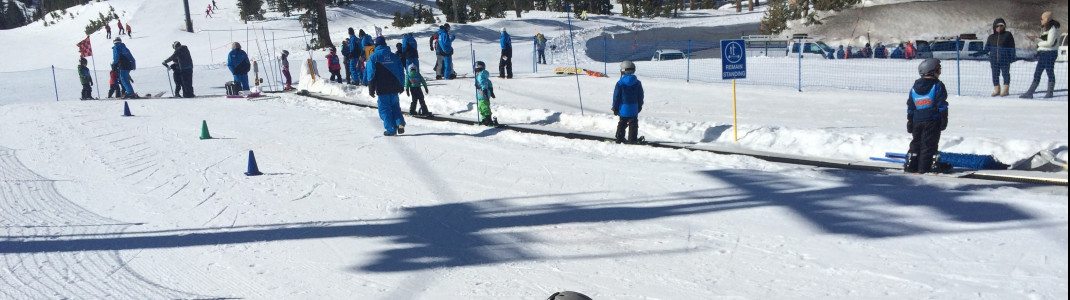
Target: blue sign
733,59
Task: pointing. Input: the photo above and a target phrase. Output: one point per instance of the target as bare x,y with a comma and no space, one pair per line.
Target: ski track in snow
34,210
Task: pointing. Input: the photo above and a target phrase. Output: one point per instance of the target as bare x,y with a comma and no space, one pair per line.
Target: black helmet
568,295
929,66
285,53
480,66
175,45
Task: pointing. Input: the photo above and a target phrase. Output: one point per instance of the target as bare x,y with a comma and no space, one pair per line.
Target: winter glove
616,112
165,64
910,127
407,92
426,91
943,123
371,92
491,93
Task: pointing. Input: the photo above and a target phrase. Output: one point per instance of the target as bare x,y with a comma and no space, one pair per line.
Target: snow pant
345,66
114,90
417,96
286,73
483,105
447,67
87,92
109,34
542,56
505,65
354,68
187,82
1045,63
243,79
390,113
926,139
124,78
178,84
997,69
438,66
632,125
335,76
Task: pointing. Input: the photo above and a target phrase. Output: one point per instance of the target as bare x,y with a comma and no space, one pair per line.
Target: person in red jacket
114,83
334,66
107,28
128,31
120,26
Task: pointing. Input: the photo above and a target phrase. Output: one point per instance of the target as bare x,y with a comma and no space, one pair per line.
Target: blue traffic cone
126,110
253,170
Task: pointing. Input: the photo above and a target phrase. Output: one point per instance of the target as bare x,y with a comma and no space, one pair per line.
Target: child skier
926,118
113,83
87,80
627,103
412,88
484,90
334,66
285,62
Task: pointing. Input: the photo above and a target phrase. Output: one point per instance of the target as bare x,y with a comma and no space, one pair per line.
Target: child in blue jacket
627,103
926,118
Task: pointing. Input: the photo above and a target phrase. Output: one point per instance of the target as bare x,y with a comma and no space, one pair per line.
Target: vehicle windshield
824,47
671,56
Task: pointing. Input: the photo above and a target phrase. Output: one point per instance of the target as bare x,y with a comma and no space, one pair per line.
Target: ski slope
95,205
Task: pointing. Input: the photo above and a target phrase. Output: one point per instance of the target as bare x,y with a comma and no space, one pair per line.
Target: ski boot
911,165
401,129
939,166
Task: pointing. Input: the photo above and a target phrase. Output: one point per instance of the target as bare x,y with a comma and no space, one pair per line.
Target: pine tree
251,10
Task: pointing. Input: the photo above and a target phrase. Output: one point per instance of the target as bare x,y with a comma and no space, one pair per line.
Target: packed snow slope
94,205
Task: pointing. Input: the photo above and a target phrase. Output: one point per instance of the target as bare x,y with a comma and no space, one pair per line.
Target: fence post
54,84
800,45
958,65
688,60
605,57
535,54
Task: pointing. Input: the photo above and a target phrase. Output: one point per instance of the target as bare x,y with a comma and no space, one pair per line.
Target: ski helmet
929,66
82,60
412,67
285,53
480,66
117,40
627,67
175,45
568,295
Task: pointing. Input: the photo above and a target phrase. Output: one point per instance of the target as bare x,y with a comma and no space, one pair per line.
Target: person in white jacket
1046,54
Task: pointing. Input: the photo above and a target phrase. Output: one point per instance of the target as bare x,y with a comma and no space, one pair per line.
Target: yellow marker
735,127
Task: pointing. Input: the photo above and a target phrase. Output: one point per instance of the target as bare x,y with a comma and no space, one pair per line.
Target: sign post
733,66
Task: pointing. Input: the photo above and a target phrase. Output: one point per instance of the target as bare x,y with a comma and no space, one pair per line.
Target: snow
95,205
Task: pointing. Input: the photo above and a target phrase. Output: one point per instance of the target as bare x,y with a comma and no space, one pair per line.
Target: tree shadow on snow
493,231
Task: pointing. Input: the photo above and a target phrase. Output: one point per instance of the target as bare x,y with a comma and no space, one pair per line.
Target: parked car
668,54
951,48
1062,49
812,48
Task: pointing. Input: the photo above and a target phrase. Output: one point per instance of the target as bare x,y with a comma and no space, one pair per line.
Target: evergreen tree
251,10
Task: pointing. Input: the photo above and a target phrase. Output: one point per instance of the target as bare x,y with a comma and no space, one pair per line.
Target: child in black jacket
926,117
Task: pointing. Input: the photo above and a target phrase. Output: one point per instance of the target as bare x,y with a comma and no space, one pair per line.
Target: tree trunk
750,5
739,6
516,5
457,11
322,31
676,9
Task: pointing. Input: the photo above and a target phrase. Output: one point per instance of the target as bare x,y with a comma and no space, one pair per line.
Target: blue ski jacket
628,96
384,72
927,101
484,85
506,42
445,42
238,62
121,57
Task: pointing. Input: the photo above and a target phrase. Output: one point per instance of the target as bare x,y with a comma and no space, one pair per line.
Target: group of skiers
122,30
902,51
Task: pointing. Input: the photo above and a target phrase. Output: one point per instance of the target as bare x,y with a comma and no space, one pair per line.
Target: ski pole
54,84
169,83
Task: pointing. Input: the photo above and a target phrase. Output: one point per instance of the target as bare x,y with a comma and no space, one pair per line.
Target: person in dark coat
1001,53
880,51
345,60
927,116
184,62
284,61
540,47
122,59
505,64
238,63
628,103
840,54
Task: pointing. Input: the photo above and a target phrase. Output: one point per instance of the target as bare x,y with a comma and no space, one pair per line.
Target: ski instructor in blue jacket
627,103
122,59
385,77
238,63
445,48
